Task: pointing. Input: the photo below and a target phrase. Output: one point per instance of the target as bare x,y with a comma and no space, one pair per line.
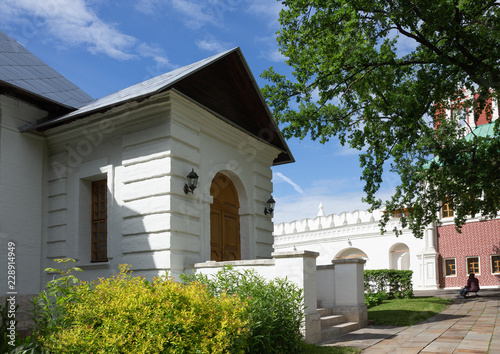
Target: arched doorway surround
225,244
399,257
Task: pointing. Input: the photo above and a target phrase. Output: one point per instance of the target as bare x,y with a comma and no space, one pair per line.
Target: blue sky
104,46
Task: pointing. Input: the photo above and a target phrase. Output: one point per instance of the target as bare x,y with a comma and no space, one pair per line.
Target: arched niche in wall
399,256
351,252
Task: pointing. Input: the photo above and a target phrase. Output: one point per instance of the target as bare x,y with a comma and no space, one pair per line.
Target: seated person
472,286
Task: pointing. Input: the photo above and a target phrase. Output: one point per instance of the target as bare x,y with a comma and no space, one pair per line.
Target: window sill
96,265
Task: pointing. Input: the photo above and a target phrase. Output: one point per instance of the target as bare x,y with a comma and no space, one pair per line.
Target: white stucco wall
145,150
21,185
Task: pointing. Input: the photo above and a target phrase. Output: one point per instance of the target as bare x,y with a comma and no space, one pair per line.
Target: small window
495,264
473,265
447,209
401,213
450,267
99,221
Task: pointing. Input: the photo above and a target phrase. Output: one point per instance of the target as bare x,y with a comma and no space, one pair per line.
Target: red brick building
477,248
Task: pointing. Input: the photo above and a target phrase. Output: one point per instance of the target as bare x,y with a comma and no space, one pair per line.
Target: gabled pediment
222,83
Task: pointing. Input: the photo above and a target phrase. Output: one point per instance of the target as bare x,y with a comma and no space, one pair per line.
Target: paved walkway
469,325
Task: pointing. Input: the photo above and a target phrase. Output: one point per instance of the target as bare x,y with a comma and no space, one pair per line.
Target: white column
428,262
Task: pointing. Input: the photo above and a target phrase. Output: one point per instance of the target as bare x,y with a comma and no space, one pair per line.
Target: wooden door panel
231,237
232,230
216,240
224,220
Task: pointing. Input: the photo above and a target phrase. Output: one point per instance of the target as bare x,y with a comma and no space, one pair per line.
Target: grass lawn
406,312
316,349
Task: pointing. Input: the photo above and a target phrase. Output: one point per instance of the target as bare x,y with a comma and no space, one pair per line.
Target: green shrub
374,299
48,310
396,283
49,307
276,308
125,314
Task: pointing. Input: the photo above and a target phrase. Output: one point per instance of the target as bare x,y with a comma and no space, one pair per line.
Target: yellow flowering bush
125,314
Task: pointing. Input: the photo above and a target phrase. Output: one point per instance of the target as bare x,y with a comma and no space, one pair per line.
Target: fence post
349,290
300,267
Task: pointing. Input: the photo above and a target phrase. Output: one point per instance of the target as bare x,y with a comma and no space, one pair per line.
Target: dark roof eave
42,126
281,159
40,101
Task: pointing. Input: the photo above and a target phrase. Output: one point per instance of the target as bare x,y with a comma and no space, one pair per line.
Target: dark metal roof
24,74
222,83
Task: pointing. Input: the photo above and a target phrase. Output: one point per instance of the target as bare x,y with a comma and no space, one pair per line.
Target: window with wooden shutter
99,248
473,265
495,264
450,267
447,209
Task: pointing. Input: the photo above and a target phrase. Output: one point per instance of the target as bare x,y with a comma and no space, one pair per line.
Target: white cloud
279,177
266,8
148,7
198,14
72,22
76,23
269,49
276,56
213,45
155,52
194,13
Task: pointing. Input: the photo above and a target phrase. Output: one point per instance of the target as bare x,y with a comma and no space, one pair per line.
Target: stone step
348,327
337,330
328,321
325,311
329,333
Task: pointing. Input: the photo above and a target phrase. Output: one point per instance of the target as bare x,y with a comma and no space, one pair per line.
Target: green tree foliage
353,80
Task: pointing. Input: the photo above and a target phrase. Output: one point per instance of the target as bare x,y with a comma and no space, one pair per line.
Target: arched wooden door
224,220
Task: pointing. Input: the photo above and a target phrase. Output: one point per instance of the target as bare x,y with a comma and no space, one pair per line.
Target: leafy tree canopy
352,79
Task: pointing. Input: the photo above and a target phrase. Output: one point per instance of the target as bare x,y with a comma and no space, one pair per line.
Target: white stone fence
328,222
338,286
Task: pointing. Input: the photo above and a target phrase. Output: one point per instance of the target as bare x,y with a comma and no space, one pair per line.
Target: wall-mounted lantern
269,209
192,182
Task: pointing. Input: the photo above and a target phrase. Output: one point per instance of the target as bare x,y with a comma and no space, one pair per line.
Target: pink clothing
472,285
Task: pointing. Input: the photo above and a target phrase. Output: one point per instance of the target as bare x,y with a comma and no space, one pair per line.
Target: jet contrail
289,181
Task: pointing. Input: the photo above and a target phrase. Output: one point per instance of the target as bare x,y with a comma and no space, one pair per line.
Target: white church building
171,175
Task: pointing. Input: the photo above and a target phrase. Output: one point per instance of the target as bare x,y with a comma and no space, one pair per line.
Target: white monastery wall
21,184
351,235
